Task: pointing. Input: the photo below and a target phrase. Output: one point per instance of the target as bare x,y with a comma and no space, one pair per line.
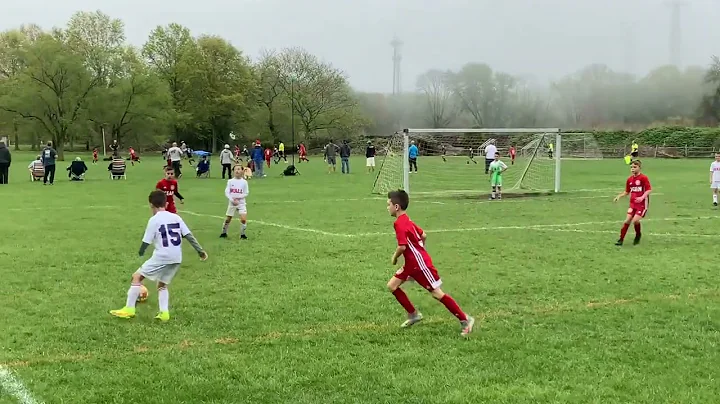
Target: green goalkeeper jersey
496,168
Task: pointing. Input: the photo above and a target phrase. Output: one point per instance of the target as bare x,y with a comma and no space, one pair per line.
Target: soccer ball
143,294
232,136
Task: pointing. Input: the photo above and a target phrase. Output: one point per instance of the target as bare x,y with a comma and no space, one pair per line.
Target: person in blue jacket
413,155
258,157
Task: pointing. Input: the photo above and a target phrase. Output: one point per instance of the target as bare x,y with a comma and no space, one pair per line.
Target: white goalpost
453,161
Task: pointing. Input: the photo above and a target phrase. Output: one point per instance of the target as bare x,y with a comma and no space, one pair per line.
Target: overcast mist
544,39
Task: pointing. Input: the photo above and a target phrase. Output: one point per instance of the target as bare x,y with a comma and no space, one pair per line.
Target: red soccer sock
637,228
624,230
403,300
453,307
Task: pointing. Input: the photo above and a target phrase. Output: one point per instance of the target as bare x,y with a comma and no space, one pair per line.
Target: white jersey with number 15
166,231
715,170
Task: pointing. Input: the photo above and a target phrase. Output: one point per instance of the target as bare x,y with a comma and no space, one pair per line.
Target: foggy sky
545,39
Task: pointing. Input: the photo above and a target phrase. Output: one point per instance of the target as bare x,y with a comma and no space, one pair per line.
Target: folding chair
38,172
117,170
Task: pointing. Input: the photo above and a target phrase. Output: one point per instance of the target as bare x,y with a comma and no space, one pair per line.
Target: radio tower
397,58
676,31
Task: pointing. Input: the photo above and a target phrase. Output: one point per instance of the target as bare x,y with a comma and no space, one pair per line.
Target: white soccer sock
715,198
225,226
242,229
164,299
132,295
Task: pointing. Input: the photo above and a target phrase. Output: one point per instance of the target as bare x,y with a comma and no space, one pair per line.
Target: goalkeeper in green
496,169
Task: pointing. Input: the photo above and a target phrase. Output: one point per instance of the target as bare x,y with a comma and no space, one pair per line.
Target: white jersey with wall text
175,153
715,170
237,189
166,231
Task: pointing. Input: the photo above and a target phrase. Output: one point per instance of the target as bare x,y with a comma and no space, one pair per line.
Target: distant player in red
638,187
95,155
418,265
133,156
512,155
169,185
237,153
302,152
268,156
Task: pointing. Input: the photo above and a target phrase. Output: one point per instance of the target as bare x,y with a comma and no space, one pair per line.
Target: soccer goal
453,161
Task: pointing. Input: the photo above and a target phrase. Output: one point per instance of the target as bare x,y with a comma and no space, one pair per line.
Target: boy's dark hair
636,163
399,197
157,199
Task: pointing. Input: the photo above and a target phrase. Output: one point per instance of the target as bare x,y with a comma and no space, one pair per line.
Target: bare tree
439,101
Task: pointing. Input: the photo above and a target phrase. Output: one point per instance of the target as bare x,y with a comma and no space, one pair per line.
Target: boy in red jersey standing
638,187
169,185
512,155
418,265
95,155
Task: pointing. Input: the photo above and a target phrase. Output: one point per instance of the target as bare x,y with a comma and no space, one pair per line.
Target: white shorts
233,211
370,162
715,185
158,272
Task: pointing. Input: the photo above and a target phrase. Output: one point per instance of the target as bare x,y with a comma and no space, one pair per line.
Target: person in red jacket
268,156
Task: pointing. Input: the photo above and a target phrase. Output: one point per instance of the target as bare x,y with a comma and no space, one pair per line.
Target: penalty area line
10,384
278,225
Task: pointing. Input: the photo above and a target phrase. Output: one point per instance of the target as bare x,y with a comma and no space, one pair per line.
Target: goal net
453,161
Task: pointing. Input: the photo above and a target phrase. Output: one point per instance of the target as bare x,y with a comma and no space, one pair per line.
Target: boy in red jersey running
638,187
418,265
95,155
169,185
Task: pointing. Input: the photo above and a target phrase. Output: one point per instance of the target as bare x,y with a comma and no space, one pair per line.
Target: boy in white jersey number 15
715,178
236,191
165,230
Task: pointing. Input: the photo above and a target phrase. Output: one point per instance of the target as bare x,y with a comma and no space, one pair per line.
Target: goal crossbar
485,130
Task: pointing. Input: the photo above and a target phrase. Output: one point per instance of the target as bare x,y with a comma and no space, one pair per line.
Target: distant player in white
236,191
497,167
175,156
165,230
715,178
490,151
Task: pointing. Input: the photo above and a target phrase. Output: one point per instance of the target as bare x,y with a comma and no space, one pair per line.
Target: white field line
278,225
15,388
673,235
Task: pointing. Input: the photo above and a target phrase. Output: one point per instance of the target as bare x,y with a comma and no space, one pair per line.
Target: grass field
299,312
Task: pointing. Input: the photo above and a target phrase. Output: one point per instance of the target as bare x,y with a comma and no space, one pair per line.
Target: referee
175,155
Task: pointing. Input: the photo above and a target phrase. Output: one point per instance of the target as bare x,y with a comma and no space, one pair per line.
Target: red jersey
409,235
268,154
512,151
302,149
95,152
169,187
636,186
132,152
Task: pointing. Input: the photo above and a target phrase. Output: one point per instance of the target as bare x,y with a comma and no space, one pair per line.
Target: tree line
72,84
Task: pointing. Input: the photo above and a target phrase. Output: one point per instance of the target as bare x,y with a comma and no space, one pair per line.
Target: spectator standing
331,150
115,147
226,160
49,155
175,156
490,152
370,156
258,156
5,160
345,157
413,156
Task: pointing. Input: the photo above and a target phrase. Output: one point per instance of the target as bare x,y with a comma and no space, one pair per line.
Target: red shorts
512,157
427,278
637,210
171,208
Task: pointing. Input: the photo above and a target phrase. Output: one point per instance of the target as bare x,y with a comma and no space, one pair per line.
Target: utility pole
397,58
676,31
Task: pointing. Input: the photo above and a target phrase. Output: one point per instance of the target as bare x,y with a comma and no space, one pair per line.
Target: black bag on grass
290,170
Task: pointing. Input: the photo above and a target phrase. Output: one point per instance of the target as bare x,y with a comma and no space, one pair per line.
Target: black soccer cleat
714,203
636,240
224,235
619,243
243,237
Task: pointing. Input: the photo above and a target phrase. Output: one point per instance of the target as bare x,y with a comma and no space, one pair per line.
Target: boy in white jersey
496,169
715,178
236,191
165,230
